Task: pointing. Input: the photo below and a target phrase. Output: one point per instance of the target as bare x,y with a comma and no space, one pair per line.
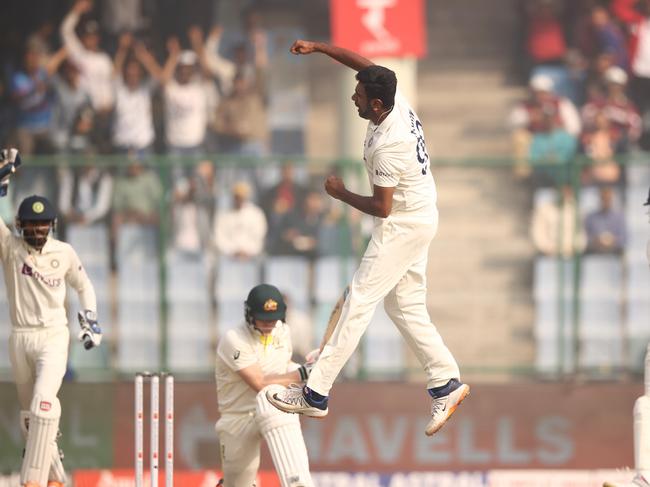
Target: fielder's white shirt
186,113
395,155
242,347
36,281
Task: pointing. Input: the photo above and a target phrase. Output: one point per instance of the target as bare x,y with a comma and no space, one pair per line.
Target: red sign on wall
379,28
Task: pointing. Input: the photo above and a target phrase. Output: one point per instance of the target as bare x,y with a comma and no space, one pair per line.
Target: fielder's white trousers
393,268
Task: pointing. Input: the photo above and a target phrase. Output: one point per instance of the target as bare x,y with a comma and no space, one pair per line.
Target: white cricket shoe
638,481
292,400
443,407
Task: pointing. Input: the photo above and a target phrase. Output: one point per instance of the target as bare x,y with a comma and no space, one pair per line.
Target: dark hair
379,82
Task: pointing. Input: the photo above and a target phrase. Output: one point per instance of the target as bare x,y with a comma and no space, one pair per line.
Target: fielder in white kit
36,269
252,359
641,416
393,268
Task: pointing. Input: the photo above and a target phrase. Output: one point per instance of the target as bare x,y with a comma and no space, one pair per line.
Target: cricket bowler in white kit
37,269
252,359
393,268
641,416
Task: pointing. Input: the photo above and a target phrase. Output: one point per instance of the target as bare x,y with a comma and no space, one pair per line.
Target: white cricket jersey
242,347
396,156
36,281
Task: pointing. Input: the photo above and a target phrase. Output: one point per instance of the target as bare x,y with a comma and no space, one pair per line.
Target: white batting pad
642,434
45,413
57,472
284,438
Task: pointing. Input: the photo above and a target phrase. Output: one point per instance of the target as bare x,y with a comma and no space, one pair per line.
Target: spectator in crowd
95,66
212,62
186,102
240,120
41,40
601,34
599,145
595,84
32,94
193,212
73,112
85,195
545,126
133,128
636,15
283,197
136,197
299,229
239,231
545,41
556,229
620,113
605,227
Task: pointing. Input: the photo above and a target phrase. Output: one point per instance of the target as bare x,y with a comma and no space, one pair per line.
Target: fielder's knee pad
283,436
45,413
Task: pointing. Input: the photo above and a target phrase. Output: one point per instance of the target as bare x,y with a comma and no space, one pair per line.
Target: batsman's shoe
445,401
638,481
293,399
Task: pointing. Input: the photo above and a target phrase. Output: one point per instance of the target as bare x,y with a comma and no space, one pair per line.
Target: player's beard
365,113
35,236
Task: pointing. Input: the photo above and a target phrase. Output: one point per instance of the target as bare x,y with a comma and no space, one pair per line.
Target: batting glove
9,161
91,333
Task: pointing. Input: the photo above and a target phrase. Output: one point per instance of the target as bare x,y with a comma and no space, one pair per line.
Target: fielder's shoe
445,401
638,481
297,399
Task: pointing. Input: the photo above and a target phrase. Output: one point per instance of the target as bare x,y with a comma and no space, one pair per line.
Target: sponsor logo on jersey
45,406
379,172
48,281
270,305
236,354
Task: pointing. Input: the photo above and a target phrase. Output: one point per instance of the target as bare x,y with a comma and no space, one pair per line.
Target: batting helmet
264,302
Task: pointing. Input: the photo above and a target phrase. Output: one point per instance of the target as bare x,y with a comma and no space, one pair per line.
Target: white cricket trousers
393,268
38,358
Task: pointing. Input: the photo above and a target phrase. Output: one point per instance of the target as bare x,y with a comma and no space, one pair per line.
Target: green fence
504,309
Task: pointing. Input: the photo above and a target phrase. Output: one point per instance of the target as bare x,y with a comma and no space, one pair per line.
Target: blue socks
445,390
314,398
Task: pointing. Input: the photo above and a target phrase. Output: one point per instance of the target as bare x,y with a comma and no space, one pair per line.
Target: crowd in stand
107,82
588,65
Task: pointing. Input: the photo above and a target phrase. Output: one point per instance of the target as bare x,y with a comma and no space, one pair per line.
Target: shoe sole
312,413
451,411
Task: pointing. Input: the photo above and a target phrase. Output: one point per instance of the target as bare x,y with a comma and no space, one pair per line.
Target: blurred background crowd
184,150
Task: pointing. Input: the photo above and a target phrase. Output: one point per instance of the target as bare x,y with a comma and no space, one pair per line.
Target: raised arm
124,44
55,61
214,63
149,62
344,56
70,39
174,50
